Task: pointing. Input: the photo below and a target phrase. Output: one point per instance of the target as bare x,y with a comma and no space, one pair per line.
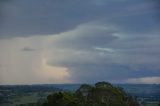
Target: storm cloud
39,17
53,41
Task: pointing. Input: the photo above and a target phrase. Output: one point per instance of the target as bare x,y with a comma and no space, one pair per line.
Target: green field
26,98
150,104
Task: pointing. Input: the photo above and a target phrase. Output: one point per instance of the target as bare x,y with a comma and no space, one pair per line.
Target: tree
102,94
159,103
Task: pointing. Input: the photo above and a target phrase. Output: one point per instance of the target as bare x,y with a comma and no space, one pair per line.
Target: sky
79,41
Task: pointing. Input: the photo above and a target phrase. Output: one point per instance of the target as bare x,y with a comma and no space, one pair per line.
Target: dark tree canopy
102,94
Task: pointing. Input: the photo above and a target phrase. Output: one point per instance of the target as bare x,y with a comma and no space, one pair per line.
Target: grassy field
25,99
28,98
151,104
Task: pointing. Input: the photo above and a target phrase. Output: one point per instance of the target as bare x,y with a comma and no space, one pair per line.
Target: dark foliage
102,94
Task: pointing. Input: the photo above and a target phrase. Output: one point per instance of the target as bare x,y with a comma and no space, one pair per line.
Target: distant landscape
29,95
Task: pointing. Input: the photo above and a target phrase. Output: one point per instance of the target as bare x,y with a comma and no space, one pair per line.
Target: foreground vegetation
36,95
102,94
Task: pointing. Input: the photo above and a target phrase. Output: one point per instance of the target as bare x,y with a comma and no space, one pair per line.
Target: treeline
28,88
101,94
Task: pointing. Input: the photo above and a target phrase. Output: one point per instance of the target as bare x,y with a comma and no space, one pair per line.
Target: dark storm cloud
157,8
28,49
112,72
104,69
2,3
43,17
39,17
95,39
92,37
131,50
120,60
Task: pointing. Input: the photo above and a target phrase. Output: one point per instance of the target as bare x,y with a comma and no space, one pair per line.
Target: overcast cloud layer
75,41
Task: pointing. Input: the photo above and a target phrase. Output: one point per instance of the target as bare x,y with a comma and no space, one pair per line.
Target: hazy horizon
75,41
